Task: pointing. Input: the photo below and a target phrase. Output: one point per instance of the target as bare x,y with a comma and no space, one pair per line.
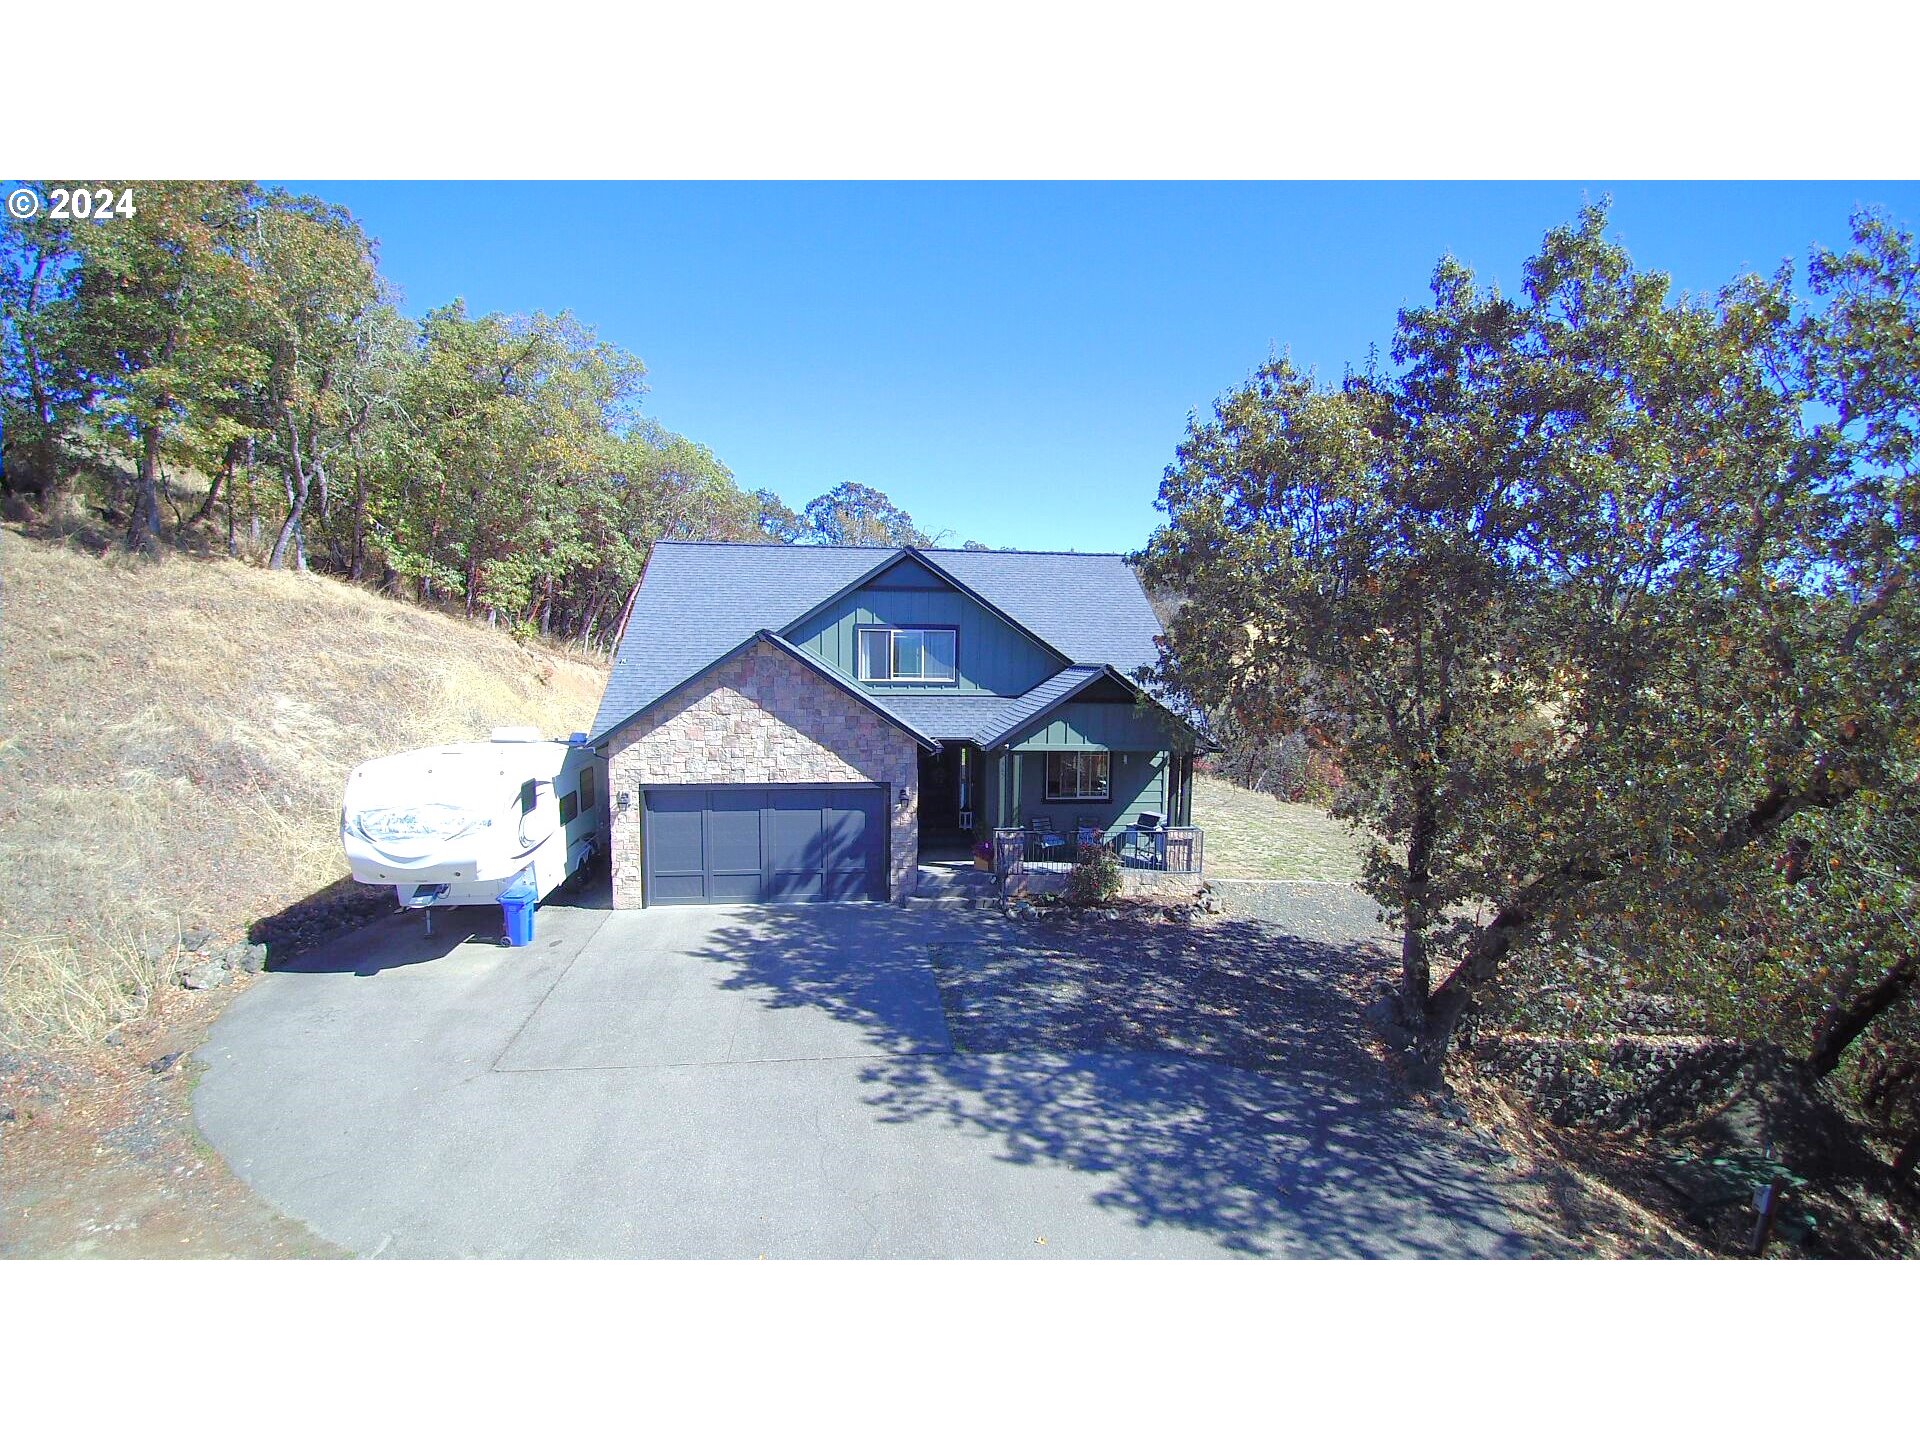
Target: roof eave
786,647
1104,672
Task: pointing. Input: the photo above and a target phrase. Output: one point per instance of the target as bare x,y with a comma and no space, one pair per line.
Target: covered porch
1088,757
1106,766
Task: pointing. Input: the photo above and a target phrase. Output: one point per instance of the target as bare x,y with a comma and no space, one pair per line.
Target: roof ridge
1078,554
923,549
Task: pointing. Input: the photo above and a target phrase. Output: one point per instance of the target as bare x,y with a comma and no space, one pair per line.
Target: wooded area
1604,599
244,338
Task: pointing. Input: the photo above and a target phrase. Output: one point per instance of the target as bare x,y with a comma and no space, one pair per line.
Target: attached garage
738,844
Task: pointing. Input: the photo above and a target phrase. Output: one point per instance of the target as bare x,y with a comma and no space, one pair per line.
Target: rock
195,939
208,976
251,958
164,1063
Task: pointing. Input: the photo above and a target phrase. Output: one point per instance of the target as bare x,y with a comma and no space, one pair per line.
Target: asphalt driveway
819,1081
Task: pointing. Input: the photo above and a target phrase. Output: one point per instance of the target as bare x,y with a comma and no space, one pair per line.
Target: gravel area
1333,914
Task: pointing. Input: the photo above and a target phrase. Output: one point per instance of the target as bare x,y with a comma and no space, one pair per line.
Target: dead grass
1252,836
176,741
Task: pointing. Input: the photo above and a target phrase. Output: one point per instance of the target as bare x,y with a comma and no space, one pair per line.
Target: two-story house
793,722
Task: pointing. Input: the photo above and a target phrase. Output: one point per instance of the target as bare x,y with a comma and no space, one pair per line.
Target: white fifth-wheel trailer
501,821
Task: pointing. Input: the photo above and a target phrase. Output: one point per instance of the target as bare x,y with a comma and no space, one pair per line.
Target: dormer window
915,656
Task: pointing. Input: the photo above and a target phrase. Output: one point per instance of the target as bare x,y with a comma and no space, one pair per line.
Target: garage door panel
778,843
795,885
674,843
848,885
680,889
735,854
796,845
847,830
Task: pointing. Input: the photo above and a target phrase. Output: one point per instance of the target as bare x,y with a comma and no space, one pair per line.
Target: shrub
1095,877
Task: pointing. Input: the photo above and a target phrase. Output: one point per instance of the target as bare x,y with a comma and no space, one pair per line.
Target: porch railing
1169,849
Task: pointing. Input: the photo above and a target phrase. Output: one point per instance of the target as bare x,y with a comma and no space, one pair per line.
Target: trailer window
529,796
569,808
587,787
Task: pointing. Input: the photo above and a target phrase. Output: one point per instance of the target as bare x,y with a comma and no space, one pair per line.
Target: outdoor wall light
625,802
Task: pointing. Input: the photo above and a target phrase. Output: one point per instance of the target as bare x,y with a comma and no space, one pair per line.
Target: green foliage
852,514
1599,595
1095,877
245,335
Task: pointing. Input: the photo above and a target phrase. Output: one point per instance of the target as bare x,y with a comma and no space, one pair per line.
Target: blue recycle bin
516,908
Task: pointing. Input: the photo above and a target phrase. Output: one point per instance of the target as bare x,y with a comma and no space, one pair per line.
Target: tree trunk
298,486
296,501
1416,980
143,530
1457,992
1844,1026
357,560
220,483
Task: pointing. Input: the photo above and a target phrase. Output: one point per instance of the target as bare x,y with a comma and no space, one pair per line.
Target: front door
940,792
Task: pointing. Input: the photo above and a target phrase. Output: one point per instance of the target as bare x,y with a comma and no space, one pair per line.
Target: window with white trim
1078,775
921,656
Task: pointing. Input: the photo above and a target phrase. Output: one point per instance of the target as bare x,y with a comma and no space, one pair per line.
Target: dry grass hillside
176,739
1253,836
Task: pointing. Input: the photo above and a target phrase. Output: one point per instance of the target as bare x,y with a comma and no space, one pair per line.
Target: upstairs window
922,656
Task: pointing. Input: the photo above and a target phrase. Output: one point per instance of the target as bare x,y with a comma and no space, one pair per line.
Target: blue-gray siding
1099,725
1137,781
993,658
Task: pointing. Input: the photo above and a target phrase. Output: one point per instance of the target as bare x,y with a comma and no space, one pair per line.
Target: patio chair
1087,830
1043,831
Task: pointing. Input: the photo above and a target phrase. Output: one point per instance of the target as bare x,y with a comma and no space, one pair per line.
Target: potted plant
983,855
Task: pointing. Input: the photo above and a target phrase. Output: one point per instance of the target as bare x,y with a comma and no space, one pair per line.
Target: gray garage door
731,844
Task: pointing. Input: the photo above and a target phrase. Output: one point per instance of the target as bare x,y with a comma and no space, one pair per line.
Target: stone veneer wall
1157,883
763,718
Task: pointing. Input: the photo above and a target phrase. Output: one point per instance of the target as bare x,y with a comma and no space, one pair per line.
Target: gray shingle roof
946,717
1049,692
1088,607
699,600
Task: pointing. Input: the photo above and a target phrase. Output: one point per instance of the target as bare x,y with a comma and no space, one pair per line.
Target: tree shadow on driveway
1215,1078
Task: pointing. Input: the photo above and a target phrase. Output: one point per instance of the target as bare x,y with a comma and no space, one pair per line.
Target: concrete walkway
780,1081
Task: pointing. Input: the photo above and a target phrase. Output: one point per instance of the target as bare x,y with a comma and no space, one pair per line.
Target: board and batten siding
1098,725
993,657
1137,780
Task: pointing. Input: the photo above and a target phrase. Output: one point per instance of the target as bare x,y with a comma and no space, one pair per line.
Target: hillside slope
176,740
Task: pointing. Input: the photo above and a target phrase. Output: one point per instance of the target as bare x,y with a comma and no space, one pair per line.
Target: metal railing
1169,849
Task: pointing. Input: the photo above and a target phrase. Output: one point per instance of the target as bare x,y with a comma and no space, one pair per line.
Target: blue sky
1014,363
